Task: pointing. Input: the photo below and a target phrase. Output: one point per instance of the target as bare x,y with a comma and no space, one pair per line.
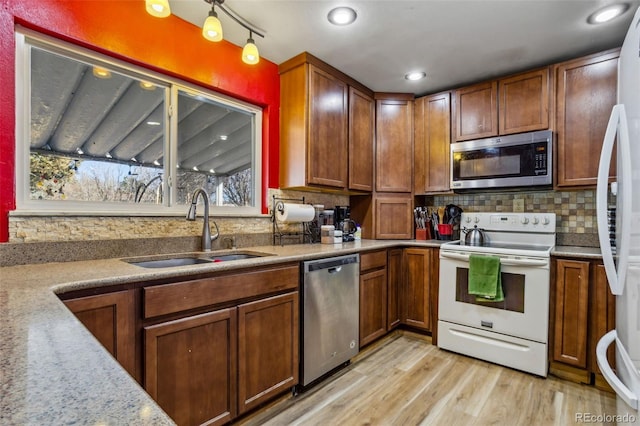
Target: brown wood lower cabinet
583,310
267,349
110,317
394,285
572,304
397,286
209,365
190,367
417,286
373,296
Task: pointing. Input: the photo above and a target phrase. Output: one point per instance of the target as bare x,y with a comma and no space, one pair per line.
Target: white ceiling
456,42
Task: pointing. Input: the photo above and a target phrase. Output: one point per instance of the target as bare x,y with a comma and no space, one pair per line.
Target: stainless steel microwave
521,160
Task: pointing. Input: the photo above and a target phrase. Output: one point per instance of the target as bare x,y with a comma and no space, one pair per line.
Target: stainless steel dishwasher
330,315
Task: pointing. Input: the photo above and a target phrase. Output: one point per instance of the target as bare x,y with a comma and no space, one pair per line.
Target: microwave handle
506,262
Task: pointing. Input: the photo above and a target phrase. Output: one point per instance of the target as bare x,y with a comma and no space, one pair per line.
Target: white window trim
27,207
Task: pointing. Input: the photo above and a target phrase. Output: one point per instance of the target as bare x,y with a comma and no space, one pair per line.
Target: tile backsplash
27,229
575,210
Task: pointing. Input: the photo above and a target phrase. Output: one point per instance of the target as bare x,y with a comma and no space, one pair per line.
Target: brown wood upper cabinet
322,122
515,104
432,139
585,93
361,140
393,216
394,142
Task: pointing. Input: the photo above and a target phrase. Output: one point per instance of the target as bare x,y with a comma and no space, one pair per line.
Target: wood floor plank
404,380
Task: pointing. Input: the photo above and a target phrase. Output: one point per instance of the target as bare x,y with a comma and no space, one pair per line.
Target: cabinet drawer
181,296
373,260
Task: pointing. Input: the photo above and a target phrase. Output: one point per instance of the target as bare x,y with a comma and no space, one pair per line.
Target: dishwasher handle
333,264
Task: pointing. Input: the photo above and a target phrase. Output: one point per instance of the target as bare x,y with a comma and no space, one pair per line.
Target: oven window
512,286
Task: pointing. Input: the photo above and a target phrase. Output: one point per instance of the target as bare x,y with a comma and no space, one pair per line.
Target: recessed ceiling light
417,75
607,13
342,16
101,72
223,137
153,123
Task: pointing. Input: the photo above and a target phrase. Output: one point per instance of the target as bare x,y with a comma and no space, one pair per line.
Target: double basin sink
169,261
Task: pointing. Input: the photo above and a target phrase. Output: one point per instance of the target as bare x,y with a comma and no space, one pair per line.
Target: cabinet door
394,285
416,306
393,217
586,92
111,319
434,287
476,111
602,319
571,310
524,102
394,145
328,132
267,349
432,141
190,367
373,306
361,139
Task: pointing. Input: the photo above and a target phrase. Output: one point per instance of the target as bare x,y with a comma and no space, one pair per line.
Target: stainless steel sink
224,257
169,261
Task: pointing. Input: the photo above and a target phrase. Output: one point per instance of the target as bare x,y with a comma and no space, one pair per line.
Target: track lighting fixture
212,27
250,53
158,8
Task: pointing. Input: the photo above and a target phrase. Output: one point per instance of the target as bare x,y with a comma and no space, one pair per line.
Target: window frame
26,38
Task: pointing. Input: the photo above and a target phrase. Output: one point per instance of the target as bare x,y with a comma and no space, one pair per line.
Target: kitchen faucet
207,238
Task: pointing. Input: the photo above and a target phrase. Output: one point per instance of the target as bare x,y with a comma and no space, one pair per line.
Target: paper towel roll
287,212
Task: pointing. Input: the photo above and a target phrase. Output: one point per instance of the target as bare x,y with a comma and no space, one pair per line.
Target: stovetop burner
517,234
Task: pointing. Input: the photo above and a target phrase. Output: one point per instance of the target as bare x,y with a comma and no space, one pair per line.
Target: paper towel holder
302,235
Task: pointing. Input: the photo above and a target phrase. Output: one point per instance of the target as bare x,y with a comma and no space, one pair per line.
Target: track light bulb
250,54
212,28
158,8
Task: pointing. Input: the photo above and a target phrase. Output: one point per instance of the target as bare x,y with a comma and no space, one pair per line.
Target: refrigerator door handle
617,124
601,356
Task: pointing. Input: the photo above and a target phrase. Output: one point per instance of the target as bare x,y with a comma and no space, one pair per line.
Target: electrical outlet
518,205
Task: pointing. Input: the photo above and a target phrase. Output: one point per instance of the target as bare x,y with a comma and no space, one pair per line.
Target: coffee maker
344,223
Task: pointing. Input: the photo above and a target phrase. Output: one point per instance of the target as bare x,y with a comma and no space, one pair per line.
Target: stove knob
476,219
468,219
525,220
535,220
545,221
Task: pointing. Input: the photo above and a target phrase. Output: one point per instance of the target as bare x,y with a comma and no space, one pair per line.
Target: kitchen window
100,136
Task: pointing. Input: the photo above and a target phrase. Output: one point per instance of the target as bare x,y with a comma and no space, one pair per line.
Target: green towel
484,278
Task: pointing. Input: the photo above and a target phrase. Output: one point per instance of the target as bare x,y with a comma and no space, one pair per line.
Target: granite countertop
53,371
576,251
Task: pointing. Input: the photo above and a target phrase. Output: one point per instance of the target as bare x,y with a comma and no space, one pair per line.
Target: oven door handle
506,262
524,262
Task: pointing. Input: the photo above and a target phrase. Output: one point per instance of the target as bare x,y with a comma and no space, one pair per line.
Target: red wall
123,29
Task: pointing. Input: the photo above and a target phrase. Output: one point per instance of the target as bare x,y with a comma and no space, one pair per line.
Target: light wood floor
404,380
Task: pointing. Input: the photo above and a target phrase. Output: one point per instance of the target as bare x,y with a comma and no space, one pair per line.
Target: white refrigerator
623,264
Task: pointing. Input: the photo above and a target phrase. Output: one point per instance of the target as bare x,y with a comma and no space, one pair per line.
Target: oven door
524,312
